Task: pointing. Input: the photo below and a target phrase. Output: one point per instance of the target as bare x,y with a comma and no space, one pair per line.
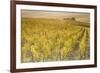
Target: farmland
44,40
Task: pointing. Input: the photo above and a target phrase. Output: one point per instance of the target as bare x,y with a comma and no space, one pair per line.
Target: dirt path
87,46
73,54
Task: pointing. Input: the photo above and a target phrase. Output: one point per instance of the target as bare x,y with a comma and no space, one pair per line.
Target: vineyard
44,40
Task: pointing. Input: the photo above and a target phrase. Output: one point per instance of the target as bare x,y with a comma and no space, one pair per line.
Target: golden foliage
51,40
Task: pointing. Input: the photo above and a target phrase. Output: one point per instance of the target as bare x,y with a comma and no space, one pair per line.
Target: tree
73,18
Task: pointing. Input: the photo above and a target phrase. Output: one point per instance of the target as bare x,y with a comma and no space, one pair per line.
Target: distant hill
74,21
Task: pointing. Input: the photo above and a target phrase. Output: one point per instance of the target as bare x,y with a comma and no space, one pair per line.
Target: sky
84,17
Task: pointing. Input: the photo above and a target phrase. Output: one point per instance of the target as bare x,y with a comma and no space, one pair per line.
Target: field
44,40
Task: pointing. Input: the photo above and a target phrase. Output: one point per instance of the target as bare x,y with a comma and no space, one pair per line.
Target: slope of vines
53,40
